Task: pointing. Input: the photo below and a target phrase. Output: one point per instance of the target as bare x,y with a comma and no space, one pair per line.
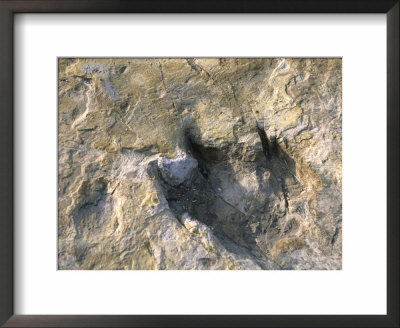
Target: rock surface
200,163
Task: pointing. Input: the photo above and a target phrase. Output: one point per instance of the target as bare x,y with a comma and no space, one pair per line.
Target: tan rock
199,163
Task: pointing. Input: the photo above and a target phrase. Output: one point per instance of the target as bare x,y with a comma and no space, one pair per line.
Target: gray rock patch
177,171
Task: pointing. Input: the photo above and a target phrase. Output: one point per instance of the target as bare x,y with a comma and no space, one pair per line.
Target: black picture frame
10,7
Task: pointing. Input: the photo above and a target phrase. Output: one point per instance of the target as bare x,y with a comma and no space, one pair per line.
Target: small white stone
178,170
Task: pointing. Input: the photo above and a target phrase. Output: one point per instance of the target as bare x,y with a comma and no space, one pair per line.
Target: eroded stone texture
200,163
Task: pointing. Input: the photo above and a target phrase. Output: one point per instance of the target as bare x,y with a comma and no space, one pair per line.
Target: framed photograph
212,164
